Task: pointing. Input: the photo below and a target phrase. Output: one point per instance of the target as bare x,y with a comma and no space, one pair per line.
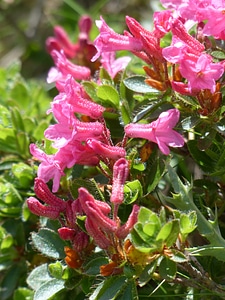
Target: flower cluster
80,135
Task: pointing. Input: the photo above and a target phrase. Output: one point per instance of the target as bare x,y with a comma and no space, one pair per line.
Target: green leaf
190,122
172,237
156,172
165,231
49,243
110,288
7,140
39,130
200,157
90,89
208,250
38,276
178,256
9,194
108,93
23,294
5,117
188,222
167,269
138,84
132,191
49,289
11,279
24,174
183,200
93,266
7,242
126,116
146,275
218,54
20,94
17,119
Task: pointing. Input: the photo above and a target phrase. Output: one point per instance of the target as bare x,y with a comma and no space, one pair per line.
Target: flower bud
41,210
43,193
120,173
125,229
104,150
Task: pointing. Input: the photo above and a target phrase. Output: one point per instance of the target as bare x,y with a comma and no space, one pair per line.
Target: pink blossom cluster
87,142
187,52
79,134
99,225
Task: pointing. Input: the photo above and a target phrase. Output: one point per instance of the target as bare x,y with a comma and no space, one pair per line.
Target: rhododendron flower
65,67
108,40
113,65
160,131
201,72
162,23
216,22
49,168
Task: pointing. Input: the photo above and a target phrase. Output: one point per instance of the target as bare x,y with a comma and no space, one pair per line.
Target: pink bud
103,206
180,31
41,210
80,241
76,208
85,24
43,193
120,173
66,67
102,221
104,150
66,233
99,237
69,215
79,103
64,41
125,229
85,130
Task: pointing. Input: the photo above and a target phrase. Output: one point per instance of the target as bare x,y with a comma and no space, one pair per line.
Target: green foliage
22,107
175,249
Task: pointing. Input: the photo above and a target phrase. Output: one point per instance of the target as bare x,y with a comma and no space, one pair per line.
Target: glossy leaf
48,243
49,289
137,84
109,94
167,269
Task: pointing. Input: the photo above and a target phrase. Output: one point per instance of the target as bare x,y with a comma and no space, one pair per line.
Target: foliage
129,218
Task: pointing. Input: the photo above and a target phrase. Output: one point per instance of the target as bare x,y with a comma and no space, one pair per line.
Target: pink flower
201,72
61,41
150,42
49,168
74,130
80,104
159,131
108,40
65,67
175,52
162,23
112,65
216,22
178,29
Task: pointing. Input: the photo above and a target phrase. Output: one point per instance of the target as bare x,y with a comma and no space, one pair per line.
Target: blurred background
25,25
